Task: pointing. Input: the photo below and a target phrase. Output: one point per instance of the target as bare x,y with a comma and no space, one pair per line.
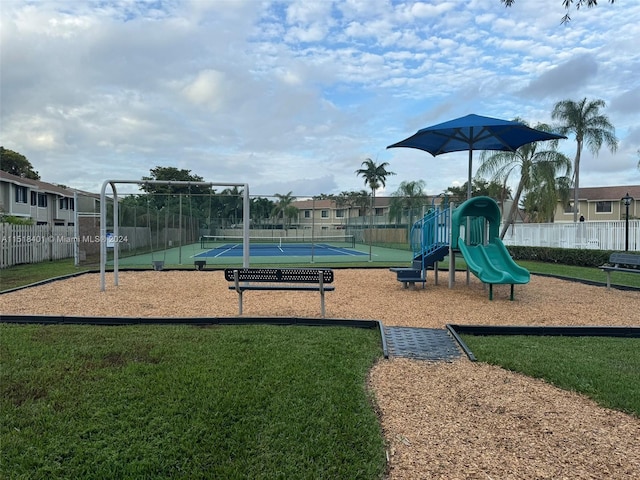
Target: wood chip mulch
458,420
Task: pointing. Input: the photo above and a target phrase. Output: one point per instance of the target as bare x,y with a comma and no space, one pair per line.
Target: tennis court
227,251
224,246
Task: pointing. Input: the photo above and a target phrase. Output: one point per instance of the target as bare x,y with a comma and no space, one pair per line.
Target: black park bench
621,262
301,279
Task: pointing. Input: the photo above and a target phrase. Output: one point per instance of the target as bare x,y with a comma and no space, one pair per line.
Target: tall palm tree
375,176
584,120
535,166
284,208
409,196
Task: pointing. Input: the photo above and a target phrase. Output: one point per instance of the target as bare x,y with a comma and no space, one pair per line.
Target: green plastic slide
492,263
484,252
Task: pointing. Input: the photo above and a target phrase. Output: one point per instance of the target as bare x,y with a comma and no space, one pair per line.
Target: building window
64,203
307,214
604,207
21,194
42,200
568,208
325,214
72,204
379,212
34,199
340,213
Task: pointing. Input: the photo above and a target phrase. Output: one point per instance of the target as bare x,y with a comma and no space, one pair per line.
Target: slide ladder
429,240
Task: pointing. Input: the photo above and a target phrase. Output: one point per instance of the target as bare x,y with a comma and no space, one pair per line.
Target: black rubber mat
421,343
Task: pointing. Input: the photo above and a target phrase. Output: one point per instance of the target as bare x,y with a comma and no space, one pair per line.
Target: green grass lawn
605,369
187,402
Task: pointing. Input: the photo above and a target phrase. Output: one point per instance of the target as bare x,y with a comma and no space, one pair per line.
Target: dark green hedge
565,256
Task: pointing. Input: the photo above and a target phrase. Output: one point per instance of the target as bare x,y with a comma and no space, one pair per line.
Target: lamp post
627,199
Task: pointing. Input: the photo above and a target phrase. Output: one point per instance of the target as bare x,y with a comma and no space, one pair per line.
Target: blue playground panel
235,250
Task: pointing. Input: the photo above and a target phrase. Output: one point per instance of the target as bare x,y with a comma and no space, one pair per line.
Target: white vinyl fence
34,243
593,235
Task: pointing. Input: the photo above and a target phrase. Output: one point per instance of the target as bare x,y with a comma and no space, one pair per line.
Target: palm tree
409,196
284,208
535,167
541,202
232,207
589,126
261,209
374,176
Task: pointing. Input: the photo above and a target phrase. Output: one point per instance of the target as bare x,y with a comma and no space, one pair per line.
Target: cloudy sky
294,95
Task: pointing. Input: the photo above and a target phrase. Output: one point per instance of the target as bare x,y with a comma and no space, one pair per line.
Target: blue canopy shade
474,132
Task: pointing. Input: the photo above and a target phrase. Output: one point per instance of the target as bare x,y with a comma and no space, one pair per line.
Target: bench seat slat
304,288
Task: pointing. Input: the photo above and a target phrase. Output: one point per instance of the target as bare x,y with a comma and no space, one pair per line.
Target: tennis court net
322,241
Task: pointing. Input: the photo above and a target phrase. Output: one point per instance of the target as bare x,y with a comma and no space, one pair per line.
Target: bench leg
322,302
240,303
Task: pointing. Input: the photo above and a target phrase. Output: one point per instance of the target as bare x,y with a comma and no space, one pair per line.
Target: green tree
540,202
584,120
479,187
360,199
535,165
261,209
197,203
163,194
231,205
409,197
17,164
567,5
283,208
375,176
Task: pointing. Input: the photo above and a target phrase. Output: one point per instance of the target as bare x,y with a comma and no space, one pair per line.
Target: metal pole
76,231
626,228
371,222
246,220
180,229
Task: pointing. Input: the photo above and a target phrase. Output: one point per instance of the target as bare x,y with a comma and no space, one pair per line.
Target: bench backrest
293,275
619,258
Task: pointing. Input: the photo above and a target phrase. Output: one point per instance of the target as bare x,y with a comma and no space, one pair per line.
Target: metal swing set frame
103,219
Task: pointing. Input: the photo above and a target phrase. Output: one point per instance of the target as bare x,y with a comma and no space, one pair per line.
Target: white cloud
294,95
207,88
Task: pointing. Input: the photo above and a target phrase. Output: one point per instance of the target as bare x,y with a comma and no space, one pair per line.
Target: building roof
36,184
594,194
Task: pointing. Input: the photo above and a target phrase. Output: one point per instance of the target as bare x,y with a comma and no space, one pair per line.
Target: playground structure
470,229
